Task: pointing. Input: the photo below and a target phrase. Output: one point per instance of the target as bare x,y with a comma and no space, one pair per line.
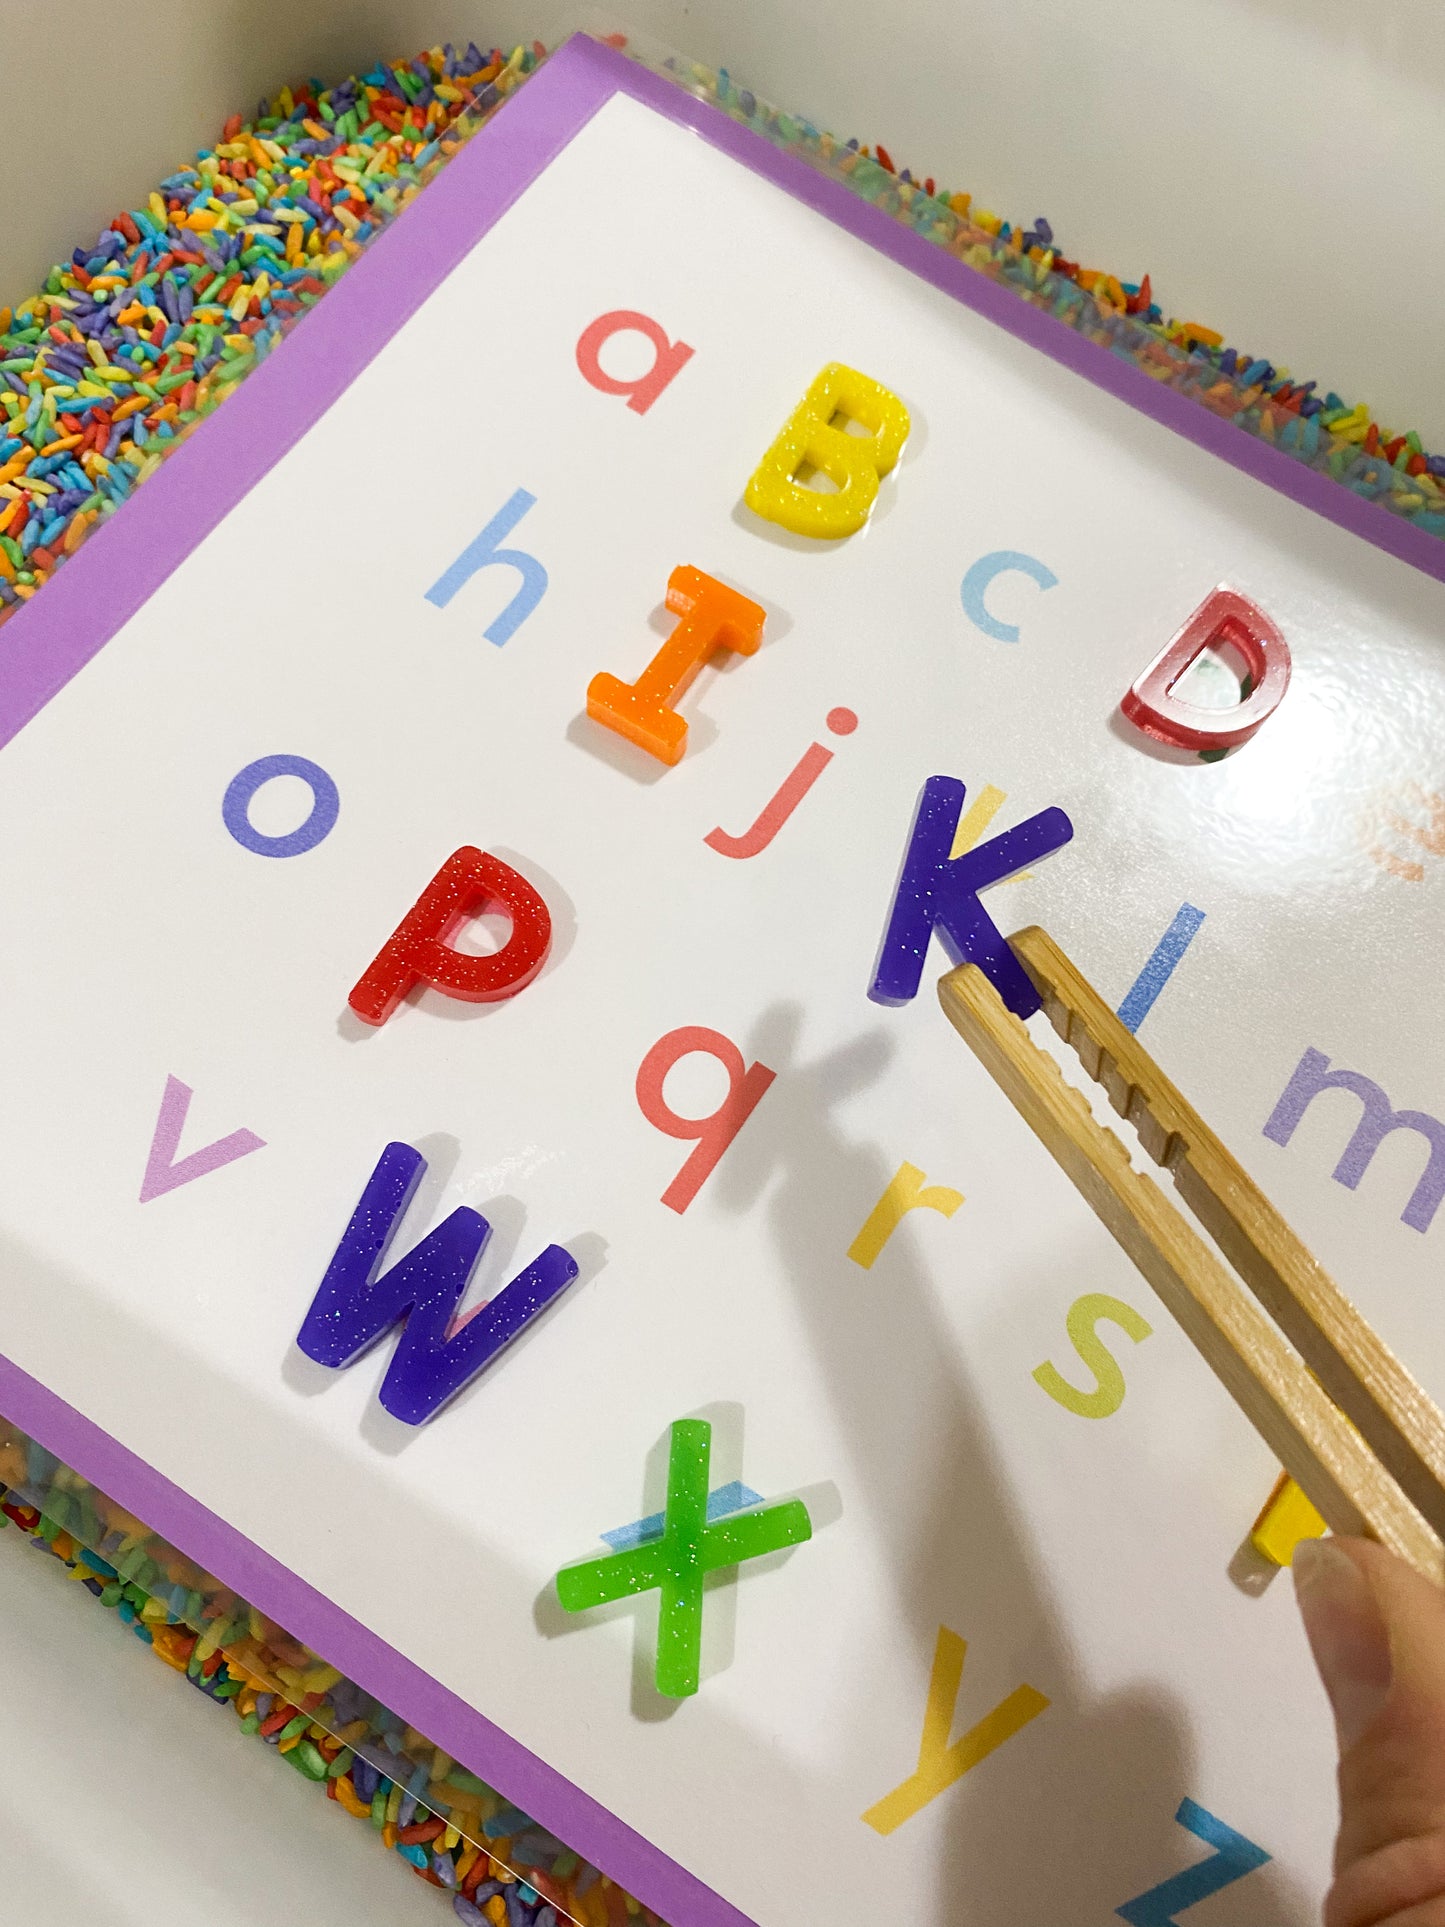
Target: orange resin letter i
712,617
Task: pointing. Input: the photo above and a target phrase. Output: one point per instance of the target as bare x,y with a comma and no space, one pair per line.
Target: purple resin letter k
940,892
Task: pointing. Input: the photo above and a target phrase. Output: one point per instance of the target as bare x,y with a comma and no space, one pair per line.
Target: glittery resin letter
419,952
855,464
1225,616
940,892
677,1561
747,1084
712,617
434,1359
669,358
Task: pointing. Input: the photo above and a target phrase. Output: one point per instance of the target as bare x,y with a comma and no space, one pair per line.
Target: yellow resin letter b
814,439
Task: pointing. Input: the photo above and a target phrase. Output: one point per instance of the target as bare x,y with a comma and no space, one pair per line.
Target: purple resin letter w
434,1360
938,891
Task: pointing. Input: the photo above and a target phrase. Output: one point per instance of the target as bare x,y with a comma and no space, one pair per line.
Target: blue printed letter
482,554
939,891
1161,966
1313,1075
1233,1858
432,1361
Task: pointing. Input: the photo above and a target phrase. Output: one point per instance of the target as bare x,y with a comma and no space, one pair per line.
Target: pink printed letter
746,1086
669,358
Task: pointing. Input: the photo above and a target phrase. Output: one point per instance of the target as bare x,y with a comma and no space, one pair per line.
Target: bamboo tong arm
1371,1479
1358,1371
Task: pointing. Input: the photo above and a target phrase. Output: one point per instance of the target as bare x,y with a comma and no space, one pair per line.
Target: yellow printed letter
940,1764
1108,1394
977,817
904,1193
853,463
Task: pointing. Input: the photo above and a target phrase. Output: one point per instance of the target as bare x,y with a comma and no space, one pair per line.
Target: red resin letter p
420,951
1223,617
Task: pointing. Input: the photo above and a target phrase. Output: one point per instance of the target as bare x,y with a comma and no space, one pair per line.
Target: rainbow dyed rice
136,339
493,1862
1341,440
130,344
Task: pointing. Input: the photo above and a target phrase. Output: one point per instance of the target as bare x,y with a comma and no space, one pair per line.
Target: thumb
1377,1631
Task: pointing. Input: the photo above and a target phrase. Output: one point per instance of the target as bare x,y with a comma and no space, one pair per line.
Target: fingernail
1347,1635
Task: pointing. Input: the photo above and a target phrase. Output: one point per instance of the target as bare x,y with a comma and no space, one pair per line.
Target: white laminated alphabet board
403,634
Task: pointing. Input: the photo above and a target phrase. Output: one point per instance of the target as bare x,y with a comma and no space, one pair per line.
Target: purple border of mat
124,562
308,1615
128,559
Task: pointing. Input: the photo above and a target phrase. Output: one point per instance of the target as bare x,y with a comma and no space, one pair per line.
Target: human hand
1377,1631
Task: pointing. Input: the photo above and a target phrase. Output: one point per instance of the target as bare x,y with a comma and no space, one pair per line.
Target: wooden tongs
1345,1418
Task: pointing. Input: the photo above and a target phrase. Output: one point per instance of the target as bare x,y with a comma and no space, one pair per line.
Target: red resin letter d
420,951
1223,617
